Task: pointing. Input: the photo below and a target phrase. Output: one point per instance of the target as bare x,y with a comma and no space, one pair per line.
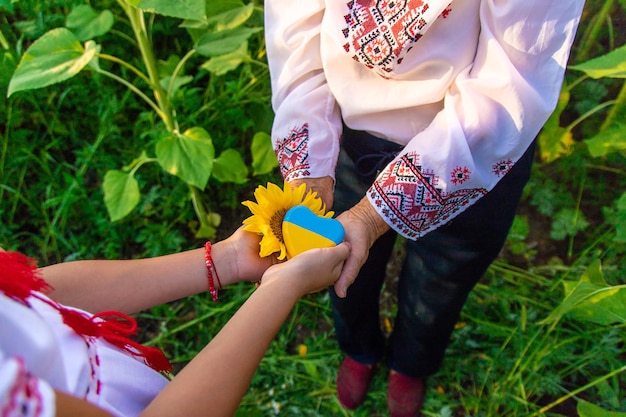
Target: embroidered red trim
20,279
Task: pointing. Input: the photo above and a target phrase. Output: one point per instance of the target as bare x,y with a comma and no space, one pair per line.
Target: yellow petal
271,204
269,245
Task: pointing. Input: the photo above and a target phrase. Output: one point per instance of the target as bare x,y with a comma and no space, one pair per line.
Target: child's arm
217,378
130,286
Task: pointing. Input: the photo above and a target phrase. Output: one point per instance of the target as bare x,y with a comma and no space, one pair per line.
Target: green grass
58,142
500,361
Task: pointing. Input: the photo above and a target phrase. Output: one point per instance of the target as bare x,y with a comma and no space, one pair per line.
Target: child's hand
242,256
312,270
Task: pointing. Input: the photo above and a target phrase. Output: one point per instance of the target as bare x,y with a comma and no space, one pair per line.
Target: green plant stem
3,41
224,307
124,36
607,169
5,143
577,81
135,90
178,68
591,38
588,113
581,389
196,199
138,24
127,65
618,109
256,62
570,247
140,163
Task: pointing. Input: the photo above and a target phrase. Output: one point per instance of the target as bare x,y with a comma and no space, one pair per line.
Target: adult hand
310,271
362,225
324,187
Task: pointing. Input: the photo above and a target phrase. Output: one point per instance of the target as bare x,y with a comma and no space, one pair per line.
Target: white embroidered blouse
39,353
465,86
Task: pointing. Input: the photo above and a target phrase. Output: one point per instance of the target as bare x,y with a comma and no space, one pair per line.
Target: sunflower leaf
189,155
121,193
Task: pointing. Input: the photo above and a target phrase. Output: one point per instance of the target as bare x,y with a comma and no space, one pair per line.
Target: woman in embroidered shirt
57,360
418,118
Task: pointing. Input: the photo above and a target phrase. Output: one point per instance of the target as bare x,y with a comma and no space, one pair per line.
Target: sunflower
270,209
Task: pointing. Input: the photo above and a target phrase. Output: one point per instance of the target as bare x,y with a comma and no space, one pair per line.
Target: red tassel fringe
19,278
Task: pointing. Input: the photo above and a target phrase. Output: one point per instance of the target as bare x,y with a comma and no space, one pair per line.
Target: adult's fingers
351,269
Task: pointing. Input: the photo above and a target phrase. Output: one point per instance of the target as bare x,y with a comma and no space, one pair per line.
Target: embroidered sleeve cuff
407,197
298,158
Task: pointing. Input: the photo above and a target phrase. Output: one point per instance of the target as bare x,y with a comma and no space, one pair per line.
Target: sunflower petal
272,202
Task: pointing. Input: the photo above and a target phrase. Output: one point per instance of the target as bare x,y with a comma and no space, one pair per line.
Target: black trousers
438,273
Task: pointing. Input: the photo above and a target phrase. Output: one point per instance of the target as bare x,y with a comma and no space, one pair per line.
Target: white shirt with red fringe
45,346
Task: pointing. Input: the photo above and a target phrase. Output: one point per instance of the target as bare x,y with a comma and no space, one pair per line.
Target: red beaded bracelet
210,266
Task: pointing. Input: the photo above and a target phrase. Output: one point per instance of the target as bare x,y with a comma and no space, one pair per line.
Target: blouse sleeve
492,112
30,364
301,99
22,393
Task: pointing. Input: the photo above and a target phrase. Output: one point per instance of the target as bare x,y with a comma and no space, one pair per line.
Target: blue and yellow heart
304,230
290,220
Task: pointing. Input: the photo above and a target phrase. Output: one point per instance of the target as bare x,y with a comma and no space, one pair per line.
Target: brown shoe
353,381
405,395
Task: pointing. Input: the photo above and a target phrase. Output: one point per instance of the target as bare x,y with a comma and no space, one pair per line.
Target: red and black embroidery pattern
293,154
410,200
381,32
459,175
501,168
25,400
